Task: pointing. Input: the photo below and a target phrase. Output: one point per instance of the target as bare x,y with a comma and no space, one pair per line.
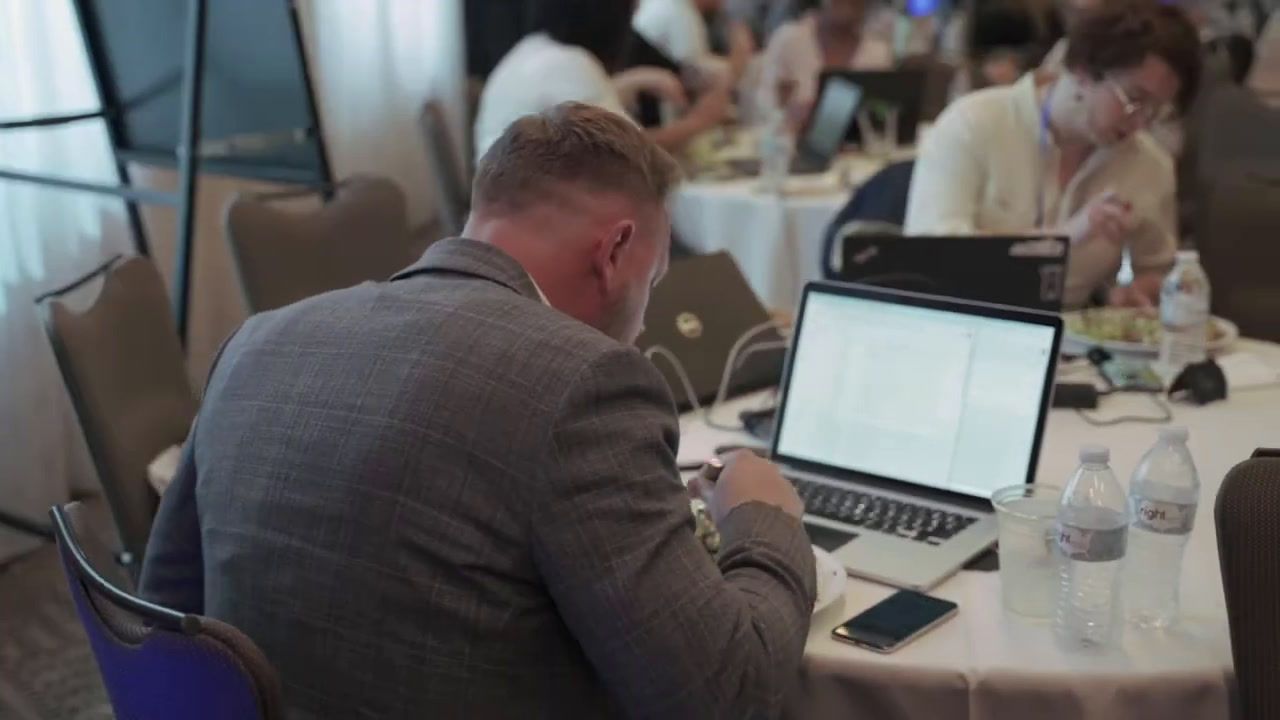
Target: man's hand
745,478
1107,217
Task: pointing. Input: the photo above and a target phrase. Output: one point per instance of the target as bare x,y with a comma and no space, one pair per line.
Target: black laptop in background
903,89
1019,271
696,315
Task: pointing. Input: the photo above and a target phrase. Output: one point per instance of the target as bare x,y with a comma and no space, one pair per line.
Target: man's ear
612,250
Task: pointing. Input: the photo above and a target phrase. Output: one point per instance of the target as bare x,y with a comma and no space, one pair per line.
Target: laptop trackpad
826,538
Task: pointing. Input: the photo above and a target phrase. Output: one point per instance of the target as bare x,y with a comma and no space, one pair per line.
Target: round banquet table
985,664
775,238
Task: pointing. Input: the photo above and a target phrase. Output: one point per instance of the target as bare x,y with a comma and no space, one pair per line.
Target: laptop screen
937,393
837,106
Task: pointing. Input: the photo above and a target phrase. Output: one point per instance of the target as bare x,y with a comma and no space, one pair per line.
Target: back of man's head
577,196
571,146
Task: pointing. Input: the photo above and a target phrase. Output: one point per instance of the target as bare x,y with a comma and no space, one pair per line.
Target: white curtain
375,62
47,238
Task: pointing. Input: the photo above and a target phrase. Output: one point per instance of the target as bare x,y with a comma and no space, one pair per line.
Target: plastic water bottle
776,150
1184,315
1163,496
1092,528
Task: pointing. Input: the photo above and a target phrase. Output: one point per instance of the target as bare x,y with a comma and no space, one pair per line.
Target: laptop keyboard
875,512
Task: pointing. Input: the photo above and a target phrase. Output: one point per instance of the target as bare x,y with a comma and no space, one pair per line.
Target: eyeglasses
1144,109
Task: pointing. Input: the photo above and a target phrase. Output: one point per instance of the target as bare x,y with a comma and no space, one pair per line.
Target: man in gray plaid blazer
455,495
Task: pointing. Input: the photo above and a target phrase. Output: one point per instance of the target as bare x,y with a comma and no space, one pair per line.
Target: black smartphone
895,621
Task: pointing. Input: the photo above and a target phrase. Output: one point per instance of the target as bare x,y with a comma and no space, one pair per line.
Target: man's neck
546,259
516,241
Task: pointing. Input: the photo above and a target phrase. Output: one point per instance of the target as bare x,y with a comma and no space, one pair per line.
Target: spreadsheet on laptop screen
934,397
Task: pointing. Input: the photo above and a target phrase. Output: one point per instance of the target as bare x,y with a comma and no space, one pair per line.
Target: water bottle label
1165,518
1178,311
1077,543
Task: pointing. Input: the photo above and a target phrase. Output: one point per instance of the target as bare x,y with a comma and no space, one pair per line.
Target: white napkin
1244,371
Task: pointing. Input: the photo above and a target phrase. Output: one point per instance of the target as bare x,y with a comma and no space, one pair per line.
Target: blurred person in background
1069,153
912,28
830,35
679,29
576,52
1225,57
1008,38
764,17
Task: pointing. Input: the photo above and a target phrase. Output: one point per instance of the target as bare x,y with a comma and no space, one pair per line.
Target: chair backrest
283,256
1264,78
125,372
880,205
1228,128
1247,515
157,663
1238,235
450,186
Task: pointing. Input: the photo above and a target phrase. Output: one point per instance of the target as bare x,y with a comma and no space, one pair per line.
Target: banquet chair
1247,516
26,526
452,193
127,378
879,206
1238,229
155,662
283,256
1228,130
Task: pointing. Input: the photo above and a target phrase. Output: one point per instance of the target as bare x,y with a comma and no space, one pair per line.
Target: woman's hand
1107,217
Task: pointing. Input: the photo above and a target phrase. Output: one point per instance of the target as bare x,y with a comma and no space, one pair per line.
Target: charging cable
1096,357
741,350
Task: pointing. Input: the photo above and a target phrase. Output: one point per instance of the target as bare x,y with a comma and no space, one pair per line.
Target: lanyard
1041,208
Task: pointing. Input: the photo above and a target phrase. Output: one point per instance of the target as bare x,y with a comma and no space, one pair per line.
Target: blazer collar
469,257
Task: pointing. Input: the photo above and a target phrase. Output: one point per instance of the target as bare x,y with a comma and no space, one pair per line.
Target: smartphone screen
895,621
1131,375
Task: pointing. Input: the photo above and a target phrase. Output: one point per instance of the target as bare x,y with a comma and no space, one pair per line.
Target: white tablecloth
776,239
985,664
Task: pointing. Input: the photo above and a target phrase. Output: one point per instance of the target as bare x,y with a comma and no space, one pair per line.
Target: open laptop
696,315
1022,271
903,88
824,134
901,414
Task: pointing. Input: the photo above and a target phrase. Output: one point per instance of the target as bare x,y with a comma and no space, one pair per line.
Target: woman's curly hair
1119,36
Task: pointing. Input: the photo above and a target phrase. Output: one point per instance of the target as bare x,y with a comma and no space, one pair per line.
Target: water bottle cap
1188,256
1174,434
1095,455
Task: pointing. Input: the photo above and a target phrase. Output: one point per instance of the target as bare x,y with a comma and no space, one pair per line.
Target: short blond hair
572,144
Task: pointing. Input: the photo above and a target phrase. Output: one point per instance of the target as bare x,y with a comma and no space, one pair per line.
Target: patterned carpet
47,671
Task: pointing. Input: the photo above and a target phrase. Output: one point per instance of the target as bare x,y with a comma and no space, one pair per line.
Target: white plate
1228,333
831,580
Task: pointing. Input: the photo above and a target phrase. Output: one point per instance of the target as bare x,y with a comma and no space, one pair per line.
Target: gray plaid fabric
437,497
